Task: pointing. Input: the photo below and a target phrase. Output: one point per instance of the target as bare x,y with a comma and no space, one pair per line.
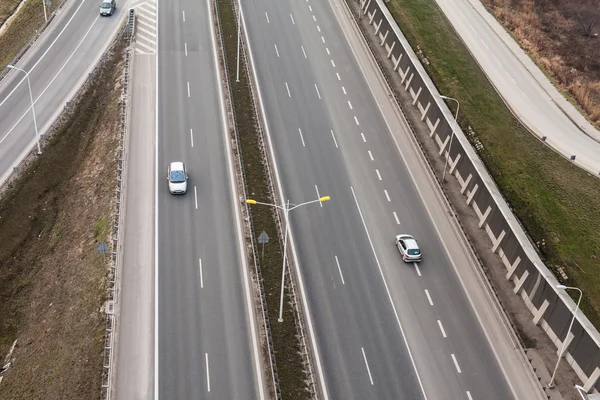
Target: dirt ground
562,37
53,282
532,337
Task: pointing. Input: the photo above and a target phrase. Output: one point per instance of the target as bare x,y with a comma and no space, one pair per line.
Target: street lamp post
45,13
451,137
564,344
37,135
286,210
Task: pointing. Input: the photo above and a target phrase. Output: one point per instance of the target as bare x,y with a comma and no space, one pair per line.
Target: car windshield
413,252
177,177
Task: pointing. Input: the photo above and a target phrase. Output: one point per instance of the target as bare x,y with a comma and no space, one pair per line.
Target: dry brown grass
7,7
52,280
559,35
22,28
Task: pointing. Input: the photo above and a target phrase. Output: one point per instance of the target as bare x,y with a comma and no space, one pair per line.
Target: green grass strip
286,344
557,202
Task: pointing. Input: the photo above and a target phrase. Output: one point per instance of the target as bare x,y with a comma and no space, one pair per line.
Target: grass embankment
53,282
21,28
286,344
558,203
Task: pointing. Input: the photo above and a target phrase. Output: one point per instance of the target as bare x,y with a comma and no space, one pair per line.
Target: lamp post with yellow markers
286,209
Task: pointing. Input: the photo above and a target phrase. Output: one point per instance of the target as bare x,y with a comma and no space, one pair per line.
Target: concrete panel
559,318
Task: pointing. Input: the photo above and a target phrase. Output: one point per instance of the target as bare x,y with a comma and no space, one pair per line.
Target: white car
408,247
177,177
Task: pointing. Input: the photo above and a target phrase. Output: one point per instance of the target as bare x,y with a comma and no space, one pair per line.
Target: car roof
177,166
408,240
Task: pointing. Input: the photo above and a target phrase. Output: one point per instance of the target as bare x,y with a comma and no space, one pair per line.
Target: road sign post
262,239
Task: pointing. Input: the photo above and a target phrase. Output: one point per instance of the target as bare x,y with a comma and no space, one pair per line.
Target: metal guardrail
111,322
247,212
299,318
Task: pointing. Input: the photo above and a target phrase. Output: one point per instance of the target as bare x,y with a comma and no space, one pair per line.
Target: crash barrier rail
552,308
125,33
290,279
246,212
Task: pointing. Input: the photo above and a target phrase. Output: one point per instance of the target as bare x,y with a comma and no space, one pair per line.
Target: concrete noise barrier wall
551,308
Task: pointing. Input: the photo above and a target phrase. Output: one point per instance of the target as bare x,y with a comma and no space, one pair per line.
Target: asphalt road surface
58,64
383,329
523,86
207,340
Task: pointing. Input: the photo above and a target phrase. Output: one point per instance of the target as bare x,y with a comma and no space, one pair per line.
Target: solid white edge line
412,360
428,297
334,141
156,369
207,372
201,276
367,364
232,182
396,218
47,50
26,112
456,363
196,197
340,270
442,328
309,323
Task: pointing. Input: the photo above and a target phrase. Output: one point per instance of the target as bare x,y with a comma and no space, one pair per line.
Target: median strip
288,353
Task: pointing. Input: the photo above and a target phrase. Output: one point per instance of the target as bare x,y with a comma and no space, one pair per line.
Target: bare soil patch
53,282
562,38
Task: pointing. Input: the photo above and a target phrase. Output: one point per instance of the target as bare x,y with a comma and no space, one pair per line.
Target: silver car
177,177
108,7
408,247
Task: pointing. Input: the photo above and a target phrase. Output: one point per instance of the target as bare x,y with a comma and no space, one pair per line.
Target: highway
207,340
382,329
523,86
58,63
